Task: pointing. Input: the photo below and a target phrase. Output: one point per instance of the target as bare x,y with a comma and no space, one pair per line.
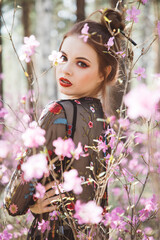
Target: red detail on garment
55,108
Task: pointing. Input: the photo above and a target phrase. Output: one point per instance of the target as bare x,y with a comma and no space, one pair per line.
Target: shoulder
52,110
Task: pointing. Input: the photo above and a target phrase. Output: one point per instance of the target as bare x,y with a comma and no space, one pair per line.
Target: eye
82,64
64,58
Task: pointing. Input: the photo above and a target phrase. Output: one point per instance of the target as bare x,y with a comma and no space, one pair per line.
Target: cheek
57,71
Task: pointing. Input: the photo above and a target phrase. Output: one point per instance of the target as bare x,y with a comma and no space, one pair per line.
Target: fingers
52,200
50,193
38,209
50,185
50,209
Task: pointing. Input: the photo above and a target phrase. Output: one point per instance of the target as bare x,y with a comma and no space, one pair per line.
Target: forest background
48,20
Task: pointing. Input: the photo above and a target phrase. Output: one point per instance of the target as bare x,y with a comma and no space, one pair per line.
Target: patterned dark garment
76,119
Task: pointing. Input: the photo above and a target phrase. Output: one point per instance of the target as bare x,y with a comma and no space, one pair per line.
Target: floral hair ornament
102,11
129,39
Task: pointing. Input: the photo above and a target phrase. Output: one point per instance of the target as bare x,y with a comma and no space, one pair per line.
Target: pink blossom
140,137
140,73
88,213
44,225
150,206
78,151
33,136
110,42
3,112
58,189
158,28
72,181
102,146
64,147
23,99
142,102
121,54
4,148
5,235
84,32
55,57
144,1
54,215
110,133
115,219
35,167
124,123
40,191
28,49
132,14
119,149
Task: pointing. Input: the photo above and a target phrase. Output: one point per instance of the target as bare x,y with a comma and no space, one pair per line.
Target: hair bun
115,17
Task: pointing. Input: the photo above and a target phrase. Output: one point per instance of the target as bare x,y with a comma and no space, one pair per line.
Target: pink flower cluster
66,148
140,72
3,112
35,167
5,235
110,42
115,219
33,136
44,225
28,48
88,213
150,206
142,101
84,32
132,14
40,191
4,148
72,181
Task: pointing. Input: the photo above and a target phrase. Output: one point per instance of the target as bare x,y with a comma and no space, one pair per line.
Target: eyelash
79,63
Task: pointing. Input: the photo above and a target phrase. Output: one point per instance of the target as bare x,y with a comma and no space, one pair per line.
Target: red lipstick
64,82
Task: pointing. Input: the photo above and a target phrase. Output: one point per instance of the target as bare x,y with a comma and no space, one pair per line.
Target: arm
19,194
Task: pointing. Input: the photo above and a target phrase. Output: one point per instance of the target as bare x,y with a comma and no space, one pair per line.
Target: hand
45,204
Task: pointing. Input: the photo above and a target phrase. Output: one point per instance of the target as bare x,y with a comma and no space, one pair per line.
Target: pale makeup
78,74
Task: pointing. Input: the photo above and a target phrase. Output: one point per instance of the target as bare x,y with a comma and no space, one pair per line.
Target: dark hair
110,25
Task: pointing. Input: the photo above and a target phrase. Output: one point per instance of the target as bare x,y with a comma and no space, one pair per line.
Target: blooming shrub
132,162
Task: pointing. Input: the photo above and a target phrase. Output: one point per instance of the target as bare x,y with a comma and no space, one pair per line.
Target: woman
90,61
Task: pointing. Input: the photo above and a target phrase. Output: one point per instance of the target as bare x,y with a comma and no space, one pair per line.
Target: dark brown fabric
59,119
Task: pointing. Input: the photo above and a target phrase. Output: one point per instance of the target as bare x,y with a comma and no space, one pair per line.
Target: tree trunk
80,10
26,7
44,30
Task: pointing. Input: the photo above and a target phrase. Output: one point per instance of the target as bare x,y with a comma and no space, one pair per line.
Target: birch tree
44,27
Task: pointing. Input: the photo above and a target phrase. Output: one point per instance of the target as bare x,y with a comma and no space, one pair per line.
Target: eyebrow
77,57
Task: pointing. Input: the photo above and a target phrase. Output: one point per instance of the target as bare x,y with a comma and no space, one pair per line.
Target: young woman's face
78,75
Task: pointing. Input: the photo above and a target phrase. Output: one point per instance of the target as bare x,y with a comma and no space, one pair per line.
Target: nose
67,68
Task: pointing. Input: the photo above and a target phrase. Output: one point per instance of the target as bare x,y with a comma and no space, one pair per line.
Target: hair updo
110,25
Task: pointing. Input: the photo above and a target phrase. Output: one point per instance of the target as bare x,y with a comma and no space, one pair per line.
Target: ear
107,72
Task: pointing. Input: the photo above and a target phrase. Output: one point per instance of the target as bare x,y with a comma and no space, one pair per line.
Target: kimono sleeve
19,194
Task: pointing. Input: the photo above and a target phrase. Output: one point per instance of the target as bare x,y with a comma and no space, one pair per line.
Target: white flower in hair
55,57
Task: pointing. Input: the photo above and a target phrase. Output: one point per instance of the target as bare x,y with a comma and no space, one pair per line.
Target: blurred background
48,20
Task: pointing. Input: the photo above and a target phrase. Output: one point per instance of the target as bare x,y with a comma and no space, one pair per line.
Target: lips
65,82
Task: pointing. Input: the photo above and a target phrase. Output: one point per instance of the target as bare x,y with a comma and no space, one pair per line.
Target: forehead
76,47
